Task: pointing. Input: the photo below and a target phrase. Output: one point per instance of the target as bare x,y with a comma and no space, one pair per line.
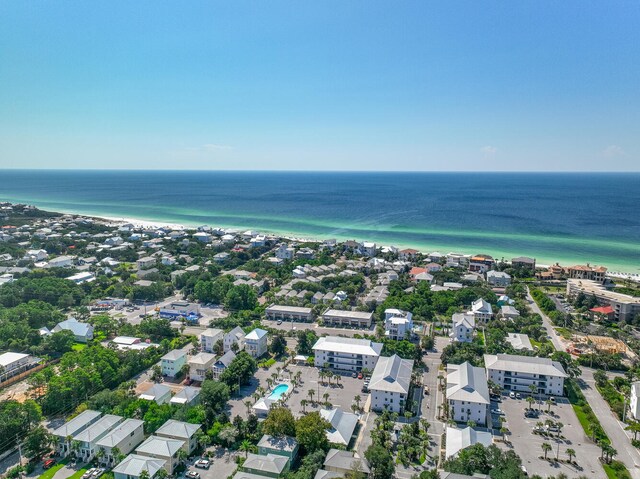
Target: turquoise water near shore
570,218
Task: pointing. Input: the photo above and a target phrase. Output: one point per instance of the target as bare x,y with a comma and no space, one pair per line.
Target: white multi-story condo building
397,324
517,373
346,354
464,324
89,437
467,393
390,383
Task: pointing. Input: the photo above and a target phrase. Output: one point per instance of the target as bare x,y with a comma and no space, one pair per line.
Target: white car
202,463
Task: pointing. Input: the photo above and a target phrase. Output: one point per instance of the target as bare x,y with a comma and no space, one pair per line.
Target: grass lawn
49,473
79,473
78,346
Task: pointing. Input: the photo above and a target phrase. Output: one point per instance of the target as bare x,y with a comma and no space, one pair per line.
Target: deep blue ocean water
571,218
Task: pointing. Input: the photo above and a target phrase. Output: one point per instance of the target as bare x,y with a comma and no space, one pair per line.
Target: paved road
612,426
555,339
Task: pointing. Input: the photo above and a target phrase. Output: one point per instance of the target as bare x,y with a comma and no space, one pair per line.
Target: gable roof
75,326
124,429
134,464
99,428
459,439
392,374
467,383
524,364
75,425
160,446
179,429
345,460
342,425
271,463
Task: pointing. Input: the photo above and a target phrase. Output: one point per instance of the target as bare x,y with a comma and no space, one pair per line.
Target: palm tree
117,455
255,397
269,382
634,427
571,453
504,431
325,396
303,403
278,369
530,400
161,474
311,393
144,474
357,399
338,378
549,404
559,425
181,455
100,453
248,406
533,389
246,446
546,447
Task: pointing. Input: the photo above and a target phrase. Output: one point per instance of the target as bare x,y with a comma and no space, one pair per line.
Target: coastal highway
627,454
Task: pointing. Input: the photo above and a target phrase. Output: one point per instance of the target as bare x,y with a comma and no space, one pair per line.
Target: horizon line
327,171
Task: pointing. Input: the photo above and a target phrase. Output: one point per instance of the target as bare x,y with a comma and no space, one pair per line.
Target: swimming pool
278,391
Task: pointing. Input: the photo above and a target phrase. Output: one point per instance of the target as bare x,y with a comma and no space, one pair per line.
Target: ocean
555,217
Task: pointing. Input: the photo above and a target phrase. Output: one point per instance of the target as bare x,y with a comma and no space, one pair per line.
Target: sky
329,85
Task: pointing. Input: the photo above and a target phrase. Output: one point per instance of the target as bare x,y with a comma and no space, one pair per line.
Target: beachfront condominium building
347,318
581,271
255,343
209,338
518,373
498,279
346,354
390,384
397,323
467,393
524,262
625,307
172,362
464,324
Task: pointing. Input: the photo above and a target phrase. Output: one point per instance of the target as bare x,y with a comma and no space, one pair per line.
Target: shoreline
156,224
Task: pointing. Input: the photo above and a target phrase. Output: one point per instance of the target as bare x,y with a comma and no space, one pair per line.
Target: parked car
512,395
89,473
552,400
49,463
203,463
518,396
498,412
192,475
354,375
279,321
359,375
97,473
531,413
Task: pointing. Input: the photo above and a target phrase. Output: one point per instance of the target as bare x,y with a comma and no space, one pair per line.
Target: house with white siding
390,384
346,354
517,373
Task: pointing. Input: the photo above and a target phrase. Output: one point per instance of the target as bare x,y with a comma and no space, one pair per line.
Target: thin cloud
612,151
489,150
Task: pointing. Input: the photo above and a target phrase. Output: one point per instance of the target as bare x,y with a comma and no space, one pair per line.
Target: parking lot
223,464
529,446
